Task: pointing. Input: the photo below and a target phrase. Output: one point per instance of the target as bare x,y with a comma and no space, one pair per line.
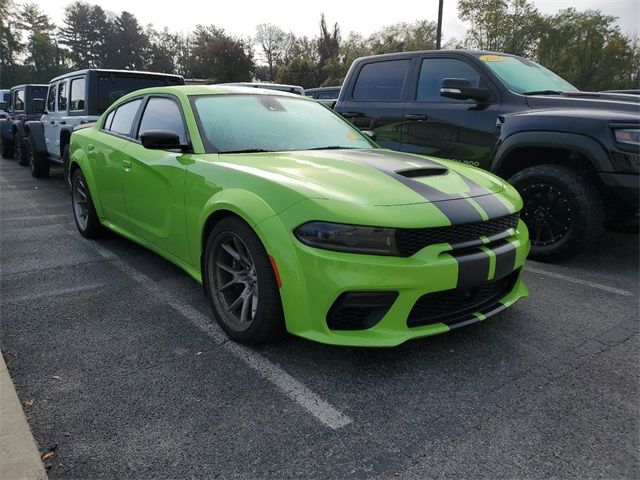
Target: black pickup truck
25,102
574,156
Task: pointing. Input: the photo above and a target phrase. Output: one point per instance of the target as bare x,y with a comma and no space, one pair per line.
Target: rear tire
19,149
84,212
563,210
38,164
241,285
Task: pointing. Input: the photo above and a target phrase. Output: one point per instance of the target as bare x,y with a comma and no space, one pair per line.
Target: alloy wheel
547,213
80,203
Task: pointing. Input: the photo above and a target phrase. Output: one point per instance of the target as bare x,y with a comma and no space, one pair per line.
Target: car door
53,120
77,102
444,127
48,118
375,101
154,180
108,160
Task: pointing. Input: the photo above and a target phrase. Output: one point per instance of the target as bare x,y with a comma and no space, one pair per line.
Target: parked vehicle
76,98
627,92
280,87
293,219
572,155
323,93
26,102
4,104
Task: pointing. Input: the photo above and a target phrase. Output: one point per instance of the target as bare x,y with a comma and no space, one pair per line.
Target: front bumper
314,279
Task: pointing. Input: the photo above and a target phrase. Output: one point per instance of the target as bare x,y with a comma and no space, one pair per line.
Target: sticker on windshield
352,136
491,58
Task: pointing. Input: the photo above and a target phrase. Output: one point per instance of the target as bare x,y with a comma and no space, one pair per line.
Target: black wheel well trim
65,139
586,146
35,131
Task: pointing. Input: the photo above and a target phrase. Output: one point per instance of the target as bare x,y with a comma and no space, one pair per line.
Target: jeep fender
65,138
587,146
17,127
35,131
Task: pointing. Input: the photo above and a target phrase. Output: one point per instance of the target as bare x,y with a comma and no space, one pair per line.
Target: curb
19,455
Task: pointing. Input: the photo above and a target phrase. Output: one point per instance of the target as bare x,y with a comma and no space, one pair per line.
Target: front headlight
627,136
348,238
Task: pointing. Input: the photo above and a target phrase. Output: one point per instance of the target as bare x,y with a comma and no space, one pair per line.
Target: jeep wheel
38,164
7,149
563,210
19,152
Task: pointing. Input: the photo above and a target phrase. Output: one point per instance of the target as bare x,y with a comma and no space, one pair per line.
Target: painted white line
53,293
292,388
579,281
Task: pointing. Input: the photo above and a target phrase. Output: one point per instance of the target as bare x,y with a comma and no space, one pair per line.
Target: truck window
18,100
381,81
434,70
62,97
124,117
51,99
77,95
112,86
163,114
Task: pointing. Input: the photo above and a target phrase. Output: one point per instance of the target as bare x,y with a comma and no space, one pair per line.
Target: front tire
84,213
19,149
241,285
38,164
563,210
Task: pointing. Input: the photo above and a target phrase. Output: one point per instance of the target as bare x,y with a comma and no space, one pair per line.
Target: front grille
452,306
412,240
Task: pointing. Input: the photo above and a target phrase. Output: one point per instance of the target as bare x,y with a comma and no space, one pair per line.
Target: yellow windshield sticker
352,136
491,58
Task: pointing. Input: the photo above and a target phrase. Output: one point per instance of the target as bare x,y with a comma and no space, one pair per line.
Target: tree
163,50
404,37
10,40
43,55
272,41
86,33
328,46
220,57
300,71
131,43
510,26
588,49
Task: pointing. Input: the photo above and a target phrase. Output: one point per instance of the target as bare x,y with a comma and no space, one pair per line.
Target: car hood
608,102
372,177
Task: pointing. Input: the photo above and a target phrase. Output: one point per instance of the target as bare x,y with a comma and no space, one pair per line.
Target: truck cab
78,98
24,103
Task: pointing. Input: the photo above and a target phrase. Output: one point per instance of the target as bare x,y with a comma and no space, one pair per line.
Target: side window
123,118
163,114
381,81
62,97
107,121
18,100
51,99
77,95
434,70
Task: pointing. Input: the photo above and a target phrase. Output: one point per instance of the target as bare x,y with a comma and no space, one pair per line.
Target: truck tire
38,164
20,150
7,149
563,210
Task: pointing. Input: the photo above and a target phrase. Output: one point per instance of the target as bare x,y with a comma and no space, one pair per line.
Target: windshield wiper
332,147
543,92
248,150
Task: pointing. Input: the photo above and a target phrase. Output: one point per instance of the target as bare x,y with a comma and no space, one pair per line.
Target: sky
302,17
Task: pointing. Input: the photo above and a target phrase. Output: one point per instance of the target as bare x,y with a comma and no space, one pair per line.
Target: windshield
232,123
524,76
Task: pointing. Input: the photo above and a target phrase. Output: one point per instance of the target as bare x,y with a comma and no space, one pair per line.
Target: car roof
30,85
439,52
107,70
322,89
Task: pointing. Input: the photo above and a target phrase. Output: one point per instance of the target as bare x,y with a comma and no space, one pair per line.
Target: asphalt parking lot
122,375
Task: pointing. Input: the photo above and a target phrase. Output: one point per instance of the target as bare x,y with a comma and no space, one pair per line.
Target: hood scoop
422,172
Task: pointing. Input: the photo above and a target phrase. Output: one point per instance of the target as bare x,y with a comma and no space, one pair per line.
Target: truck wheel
38,164
563,210
19,152
65,167
7,149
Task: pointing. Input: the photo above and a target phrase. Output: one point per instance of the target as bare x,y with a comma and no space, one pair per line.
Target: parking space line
52,293
579,281
324,412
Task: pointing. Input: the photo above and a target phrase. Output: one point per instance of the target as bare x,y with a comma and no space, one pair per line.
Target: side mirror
461,89
38,105
370,133
3,106
160,140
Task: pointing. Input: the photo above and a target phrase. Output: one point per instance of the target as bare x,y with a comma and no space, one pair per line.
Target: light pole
439,34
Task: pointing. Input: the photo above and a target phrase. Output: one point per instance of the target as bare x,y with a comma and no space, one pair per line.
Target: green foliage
299,71
10,42
129,43
404,37
86,33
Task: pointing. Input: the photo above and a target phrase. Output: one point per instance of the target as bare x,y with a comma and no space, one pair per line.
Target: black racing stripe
505,260
473,269
458,210
492,205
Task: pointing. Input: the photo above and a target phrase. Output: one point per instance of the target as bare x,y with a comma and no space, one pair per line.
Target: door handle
126,164
353,114
415,116
52,122
62,122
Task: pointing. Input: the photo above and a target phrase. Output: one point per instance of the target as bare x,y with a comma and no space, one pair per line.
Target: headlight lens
628,136
348,238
